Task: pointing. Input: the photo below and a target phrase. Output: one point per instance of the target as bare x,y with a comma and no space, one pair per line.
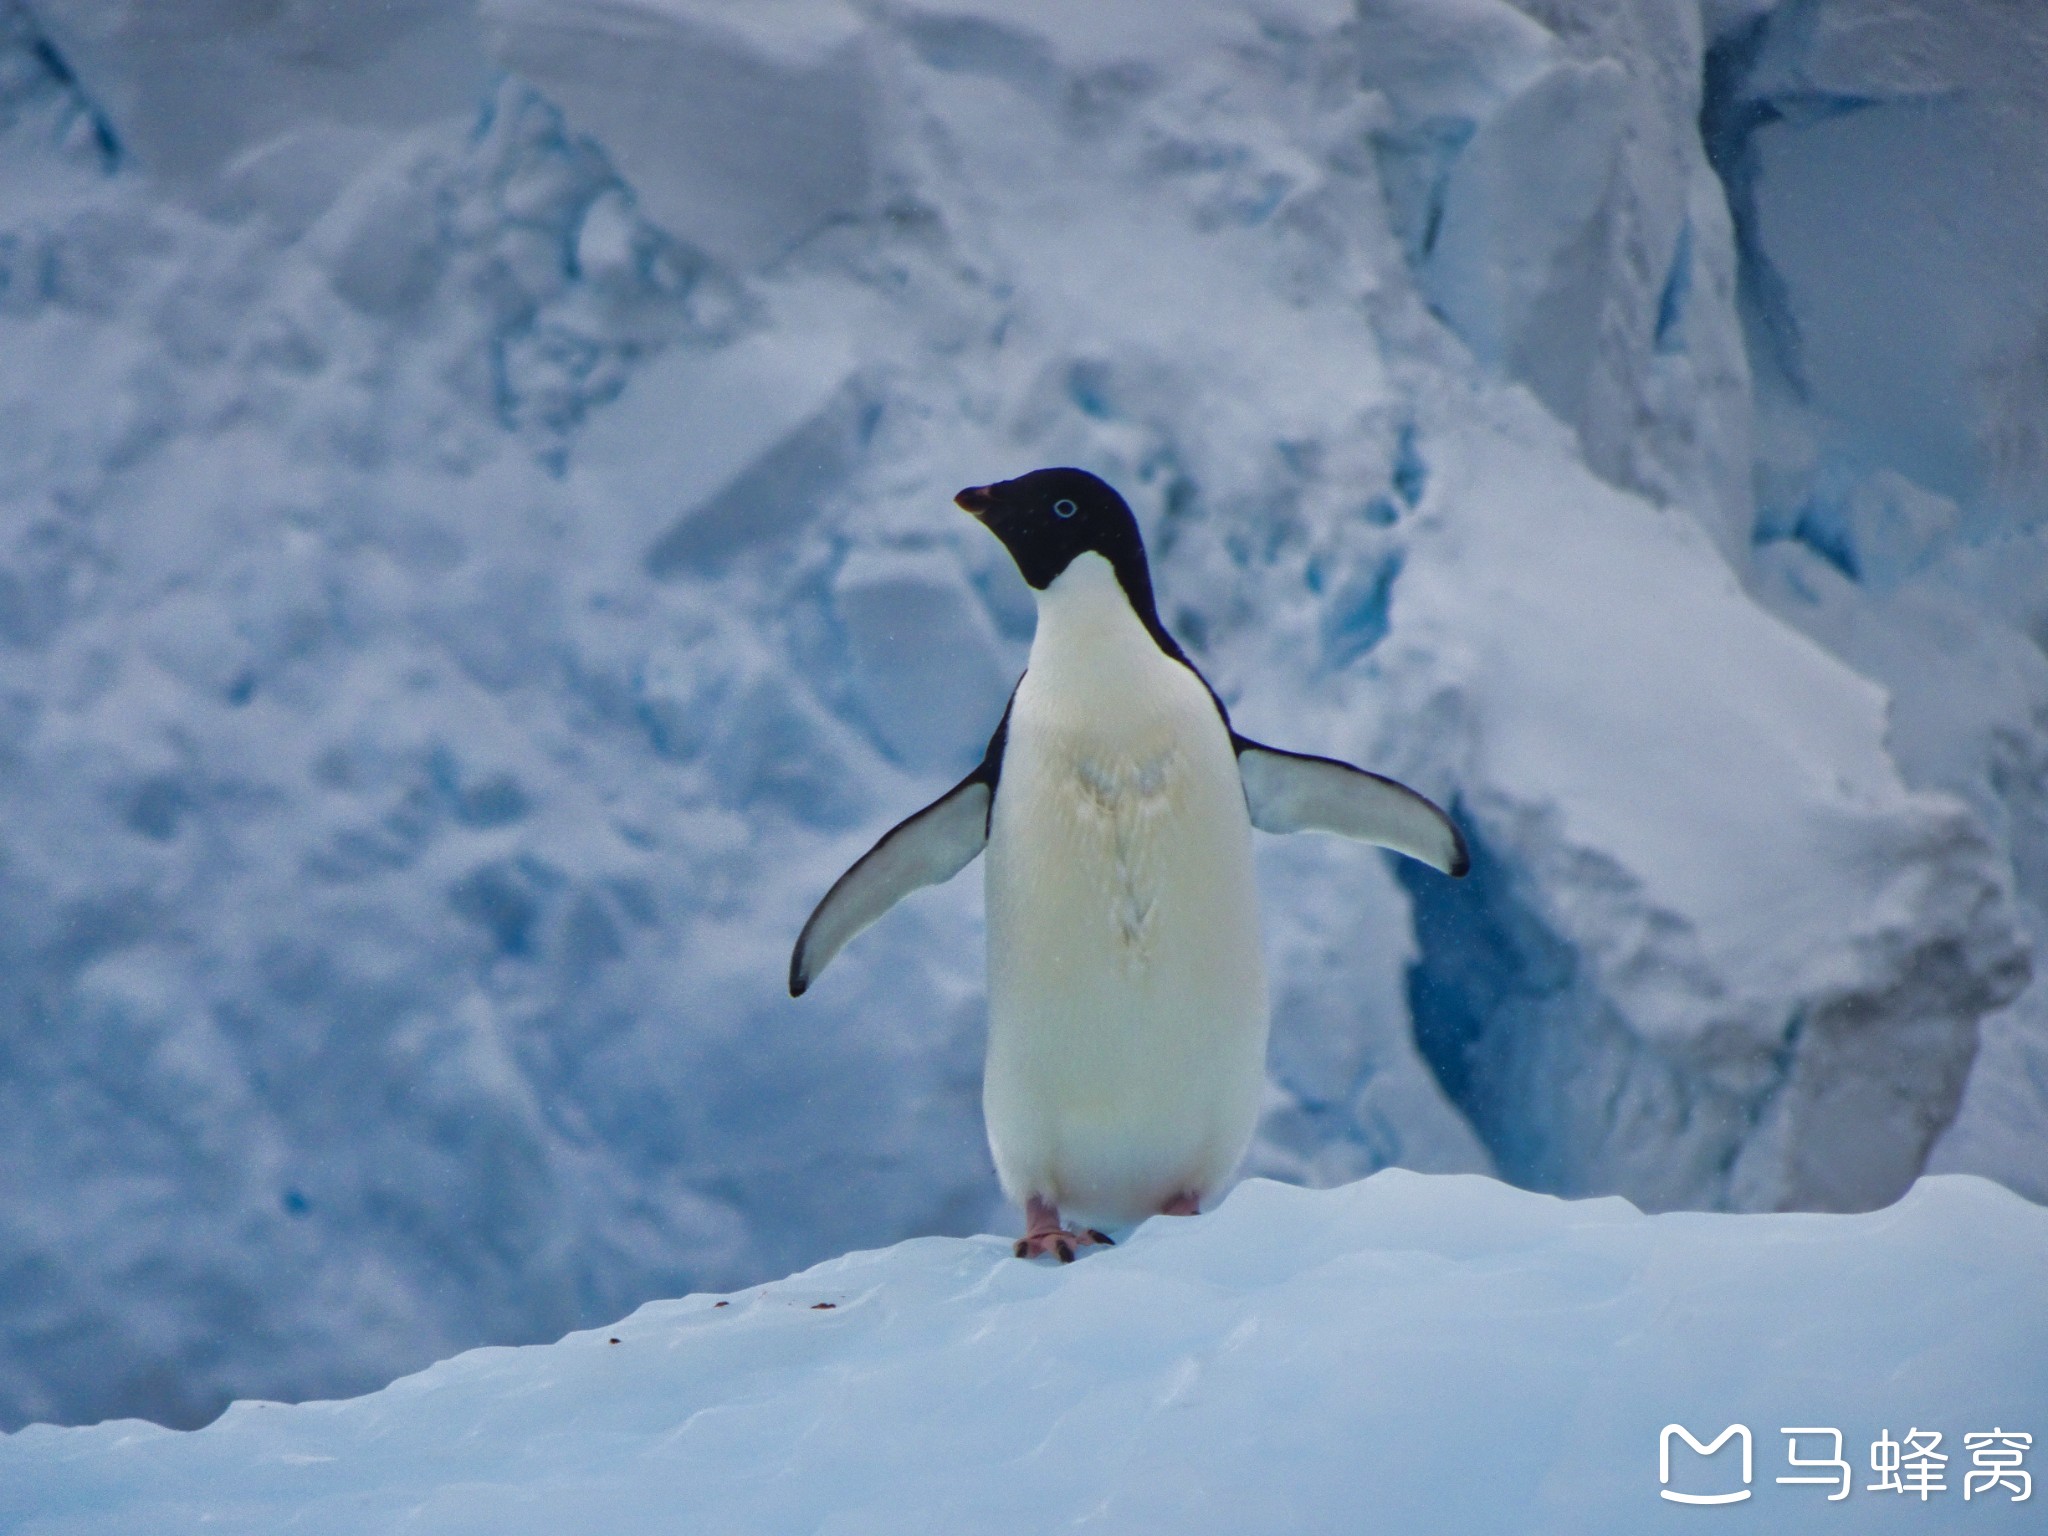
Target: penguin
1127,1003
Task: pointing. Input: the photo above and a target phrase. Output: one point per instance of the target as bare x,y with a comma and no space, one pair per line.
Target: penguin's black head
1048,517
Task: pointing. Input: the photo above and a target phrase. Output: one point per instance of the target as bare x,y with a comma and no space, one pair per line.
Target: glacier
1410,1352
478,562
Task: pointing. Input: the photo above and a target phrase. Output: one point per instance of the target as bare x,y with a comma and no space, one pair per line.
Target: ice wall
1544,167
1886,168
478,562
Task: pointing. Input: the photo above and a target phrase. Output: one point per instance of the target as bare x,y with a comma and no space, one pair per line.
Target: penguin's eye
1063,508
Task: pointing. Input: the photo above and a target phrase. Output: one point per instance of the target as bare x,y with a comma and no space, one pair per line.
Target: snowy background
476,561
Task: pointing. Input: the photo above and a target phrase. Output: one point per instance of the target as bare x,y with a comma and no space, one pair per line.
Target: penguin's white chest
1127,992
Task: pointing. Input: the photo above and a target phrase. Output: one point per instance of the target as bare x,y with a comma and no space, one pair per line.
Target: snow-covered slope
476,561
1403,1354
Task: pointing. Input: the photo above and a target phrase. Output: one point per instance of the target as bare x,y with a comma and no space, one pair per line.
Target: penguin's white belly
1127,991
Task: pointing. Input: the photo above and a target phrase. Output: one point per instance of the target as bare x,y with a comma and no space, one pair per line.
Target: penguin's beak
976,499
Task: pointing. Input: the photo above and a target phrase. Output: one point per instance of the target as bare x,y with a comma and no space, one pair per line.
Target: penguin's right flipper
932,846
1292,792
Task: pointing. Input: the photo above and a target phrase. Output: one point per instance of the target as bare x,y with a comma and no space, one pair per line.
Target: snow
927,661
748,126
1894,125
1650,868
193,91
1884,165
476,562
1413,1352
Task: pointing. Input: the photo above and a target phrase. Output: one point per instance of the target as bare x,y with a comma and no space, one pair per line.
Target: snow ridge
1436,1353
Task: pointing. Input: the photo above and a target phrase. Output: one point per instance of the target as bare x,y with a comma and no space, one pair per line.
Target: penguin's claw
1045,1234
1060,1243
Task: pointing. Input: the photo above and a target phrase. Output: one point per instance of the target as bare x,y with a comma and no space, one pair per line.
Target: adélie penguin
1127,1009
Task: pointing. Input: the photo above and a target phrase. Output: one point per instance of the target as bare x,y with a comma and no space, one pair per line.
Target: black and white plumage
1127,989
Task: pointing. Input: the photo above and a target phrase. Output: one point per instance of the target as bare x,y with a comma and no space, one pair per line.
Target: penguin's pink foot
1061,1244
1044,1234
1182,1204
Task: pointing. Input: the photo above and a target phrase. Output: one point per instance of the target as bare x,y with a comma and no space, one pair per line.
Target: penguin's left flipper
930,847
1293,792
